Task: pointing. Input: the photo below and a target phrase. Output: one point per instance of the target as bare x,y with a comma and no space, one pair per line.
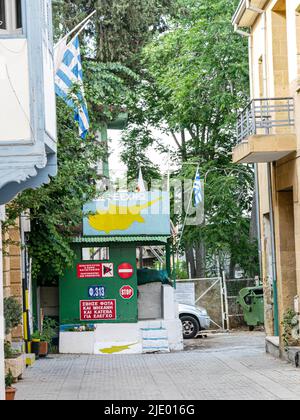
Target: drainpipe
25,285
273,245
2,374
270,192
257,189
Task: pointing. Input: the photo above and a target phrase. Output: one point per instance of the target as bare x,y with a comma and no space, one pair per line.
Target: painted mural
128,214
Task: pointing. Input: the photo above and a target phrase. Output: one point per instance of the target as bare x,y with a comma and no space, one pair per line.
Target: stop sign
126,292
125,271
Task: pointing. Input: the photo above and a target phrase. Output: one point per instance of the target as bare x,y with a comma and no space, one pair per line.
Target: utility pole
2,374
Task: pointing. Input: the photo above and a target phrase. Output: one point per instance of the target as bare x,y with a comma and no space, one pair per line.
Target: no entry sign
125,271
98,310
126,292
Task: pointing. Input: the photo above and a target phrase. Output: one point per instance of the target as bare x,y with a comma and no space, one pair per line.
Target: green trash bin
251,300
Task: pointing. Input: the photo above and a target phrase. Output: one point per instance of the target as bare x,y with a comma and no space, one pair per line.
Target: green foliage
137,142
36,335
290,326
56,209
13,313
120,28
109,88
49,330
9,379
180,270
9,352
195,81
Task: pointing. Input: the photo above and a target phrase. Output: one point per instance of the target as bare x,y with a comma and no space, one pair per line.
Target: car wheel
190,327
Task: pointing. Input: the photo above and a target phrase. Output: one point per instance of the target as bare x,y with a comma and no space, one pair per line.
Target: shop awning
144,240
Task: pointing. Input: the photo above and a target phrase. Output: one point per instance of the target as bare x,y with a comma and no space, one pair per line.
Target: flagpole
187,213
85,22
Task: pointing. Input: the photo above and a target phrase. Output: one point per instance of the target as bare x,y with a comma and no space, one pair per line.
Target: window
11,17
95,254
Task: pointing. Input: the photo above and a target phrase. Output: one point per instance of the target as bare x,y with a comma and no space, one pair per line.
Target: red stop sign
126,292
125,271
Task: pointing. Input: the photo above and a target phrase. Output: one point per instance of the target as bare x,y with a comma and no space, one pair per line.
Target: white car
193,320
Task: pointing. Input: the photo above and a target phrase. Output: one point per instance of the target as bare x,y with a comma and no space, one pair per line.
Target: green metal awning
151,240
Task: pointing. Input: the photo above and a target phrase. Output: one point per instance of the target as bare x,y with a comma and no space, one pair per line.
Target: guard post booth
108,304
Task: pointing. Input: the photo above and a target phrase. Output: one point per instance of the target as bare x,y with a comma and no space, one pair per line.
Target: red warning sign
125,271
95,271
127,292
98,310
89,271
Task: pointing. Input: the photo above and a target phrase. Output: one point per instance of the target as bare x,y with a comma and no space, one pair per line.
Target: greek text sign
95,271
98,310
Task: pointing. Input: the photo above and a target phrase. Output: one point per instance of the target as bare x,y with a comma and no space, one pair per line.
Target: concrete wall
127,338
150,301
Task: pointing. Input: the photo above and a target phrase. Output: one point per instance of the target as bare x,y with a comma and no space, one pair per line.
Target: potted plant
49,331
10,391
41,341
15,362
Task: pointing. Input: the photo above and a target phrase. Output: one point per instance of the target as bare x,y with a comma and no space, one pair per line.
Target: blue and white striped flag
69,72
198,190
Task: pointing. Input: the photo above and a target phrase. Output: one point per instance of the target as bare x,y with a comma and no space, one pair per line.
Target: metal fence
219,296
265,115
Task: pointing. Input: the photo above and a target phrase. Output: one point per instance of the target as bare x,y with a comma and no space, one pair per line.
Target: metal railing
262,116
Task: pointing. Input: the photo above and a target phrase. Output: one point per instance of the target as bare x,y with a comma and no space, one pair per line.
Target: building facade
28,150
269,138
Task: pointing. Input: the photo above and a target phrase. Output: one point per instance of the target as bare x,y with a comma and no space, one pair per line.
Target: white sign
107,270
185,293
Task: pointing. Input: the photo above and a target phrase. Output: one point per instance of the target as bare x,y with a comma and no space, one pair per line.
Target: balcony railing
265,116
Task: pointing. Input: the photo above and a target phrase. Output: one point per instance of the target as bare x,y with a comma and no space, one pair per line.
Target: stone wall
12,272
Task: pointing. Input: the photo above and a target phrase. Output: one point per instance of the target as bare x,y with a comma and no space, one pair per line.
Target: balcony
266,131
247,13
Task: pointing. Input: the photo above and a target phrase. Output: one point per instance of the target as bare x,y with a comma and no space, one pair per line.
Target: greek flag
198,191
69,73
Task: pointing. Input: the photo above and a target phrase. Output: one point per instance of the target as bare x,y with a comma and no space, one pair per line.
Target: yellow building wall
274,50
12,272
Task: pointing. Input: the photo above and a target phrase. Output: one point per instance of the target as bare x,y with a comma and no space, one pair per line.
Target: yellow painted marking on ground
116,349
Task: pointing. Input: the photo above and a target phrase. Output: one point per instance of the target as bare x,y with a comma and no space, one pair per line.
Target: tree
121,27
195,80
138,141
56,208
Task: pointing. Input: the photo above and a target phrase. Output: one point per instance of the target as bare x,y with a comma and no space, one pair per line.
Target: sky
118,169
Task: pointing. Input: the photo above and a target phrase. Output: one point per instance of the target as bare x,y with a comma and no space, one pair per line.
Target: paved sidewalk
222,367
